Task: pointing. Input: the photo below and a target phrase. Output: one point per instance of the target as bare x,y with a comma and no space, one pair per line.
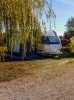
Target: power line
59,27
56,28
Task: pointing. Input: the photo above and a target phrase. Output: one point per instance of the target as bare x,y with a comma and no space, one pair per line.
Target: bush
66,51
72,45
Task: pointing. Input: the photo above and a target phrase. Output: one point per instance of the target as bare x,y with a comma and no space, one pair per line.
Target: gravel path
41,86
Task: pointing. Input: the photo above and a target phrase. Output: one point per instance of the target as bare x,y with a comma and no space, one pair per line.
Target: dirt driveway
53,81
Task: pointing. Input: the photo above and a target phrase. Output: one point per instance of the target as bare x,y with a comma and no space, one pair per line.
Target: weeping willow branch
21,20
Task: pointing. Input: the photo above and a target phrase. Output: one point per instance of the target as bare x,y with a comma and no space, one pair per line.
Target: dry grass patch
13,70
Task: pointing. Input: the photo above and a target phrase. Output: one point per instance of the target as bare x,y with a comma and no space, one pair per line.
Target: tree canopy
70,28
20,18
70,24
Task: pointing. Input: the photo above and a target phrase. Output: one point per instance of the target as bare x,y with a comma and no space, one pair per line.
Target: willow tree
21,21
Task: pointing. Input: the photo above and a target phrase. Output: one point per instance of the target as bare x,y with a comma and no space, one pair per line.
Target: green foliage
70,24
69,34
3,46
20,20
3,39
67,39
72,45
70,28
66,50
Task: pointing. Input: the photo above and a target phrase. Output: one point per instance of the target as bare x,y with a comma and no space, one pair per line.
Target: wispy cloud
67,2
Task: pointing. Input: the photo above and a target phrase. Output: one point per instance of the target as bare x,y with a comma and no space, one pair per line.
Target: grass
13,70
17,69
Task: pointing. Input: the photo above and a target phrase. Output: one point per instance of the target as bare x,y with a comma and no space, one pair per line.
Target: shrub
66,51
72,45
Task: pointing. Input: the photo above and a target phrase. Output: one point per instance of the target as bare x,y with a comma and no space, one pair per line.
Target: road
53,81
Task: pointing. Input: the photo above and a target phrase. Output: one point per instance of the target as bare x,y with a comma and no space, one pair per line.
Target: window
50,40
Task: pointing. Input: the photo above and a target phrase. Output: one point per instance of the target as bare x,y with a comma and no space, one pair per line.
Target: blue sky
63,9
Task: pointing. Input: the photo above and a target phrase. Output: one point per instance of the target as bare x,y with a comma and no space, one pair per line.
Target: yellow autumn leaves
21,21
